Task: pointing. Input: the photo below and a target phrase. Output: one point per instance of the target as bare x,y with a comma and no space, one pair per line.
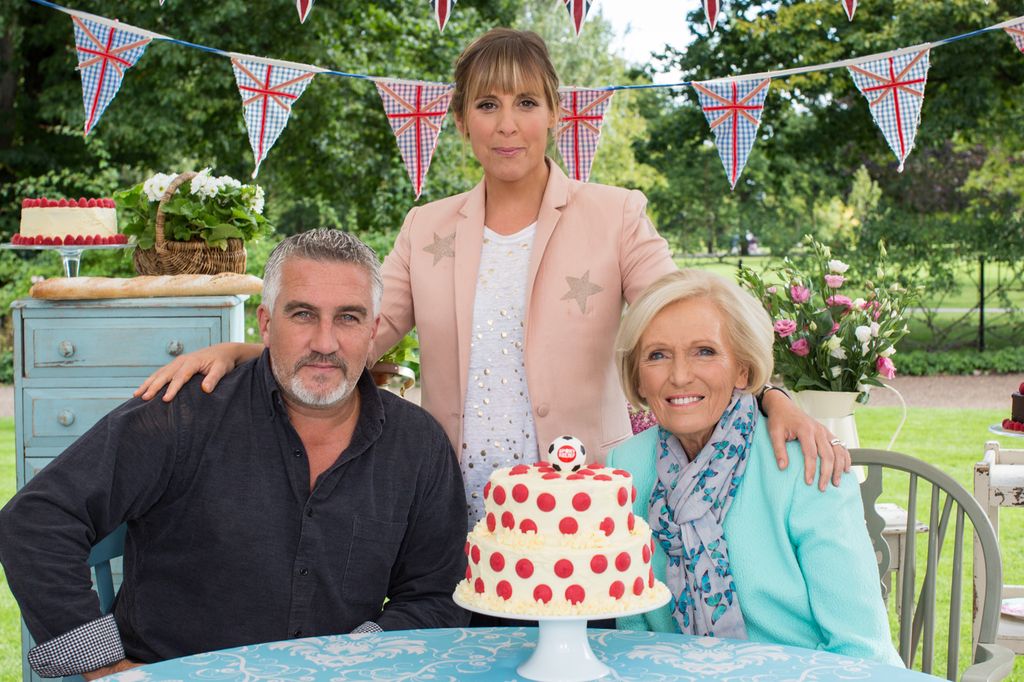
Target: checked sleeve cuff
88,647
367,627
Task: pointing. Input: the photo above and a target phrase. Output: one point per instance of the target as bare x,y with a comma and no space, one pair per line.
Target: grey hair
325,245
748,326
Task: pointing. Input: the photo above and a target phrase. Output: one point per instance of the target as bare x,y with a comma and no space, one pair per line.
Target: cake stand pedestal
563,652
71,256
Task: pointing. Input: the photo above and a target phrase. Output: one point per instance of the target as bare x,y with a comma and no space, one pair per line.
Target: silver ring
836,441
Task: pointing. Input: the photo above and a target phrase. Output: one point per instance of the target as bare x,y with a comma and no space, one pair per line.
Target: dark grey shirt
226,544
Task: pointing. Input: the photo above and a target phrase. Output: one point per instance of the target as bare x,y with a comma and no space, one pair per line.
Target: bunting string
892,82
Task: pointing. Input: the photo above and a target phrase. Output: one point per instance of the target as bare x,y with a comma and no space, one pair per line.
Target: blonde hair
503,60
748,327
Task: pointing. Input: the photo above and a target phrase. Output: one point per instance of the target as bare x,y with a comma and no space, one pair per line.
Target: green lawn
950,439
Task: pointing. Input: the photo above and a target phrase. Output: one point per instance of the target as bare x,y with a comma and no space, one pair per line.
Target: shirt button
303,571
309,511
297,633
542,410
297,453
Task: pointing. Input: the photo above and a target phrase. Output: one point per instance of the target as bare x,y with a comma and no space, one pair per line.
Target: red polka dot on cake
475,554
563,568
492,523
568,526
504,589
497,562
478,586
524,568
528,526
616,590
487,489
581,502
620,472
546,502
650,578
575,594
608,526
469,573
575,477
595,465
630,522
467,548
599,563
520,492
622,561
602,477
638,586
623,497
542,593
508,521
647,554
551,476
633,494
518,470
499,495
586,472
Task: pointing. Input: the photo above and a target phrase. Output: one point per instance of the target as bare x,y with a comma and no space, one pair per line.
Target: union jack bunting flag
733,109
105,53
268,92
579,128
304,7
850,6
578,12
894,87
442,11
415,112
1017,33
711,8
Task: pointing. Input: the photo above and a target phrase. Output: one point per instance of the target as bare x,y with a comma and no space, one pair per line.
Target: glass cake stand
999,430
563,652
71,256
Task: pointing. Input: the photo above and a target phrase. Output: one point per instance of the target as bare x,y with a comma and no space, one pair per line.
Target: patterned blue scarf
686,511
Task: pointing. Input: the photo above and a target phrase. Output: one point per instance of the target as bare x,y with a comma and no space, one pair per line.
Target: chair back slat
870,490
927,600
956,593
909,568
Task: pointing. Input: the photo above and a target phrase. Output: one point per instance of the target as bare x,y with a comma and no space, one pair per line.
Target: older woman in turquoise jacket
747,550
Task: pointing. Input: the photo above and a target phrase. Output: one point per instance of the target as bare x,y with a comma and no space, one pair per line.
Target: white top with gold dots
498,429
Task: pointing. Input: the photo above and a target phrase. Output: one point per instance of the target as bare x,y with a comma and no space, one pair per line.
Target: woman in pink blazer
516,287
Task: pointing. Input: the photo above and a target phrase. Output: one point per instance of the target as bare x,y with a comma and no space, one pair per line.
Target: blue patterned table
494,653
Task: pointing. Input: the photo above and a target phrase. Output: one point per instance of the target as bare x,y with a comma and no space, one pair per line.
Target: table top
495,653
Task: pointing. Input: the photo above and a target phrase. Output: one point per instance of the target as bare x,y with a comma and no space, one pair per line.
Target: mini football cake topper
567,453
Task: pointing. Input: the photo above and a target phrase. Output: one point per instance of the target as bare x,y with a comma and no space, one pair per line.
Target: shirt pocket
374,549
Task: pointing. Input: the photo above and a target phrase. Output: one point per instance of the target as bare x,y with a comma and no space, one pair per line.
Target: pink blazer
594,249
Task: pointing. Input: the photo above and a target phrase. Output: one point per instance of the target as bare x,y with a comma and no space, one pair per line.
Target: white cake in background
560,542
71,221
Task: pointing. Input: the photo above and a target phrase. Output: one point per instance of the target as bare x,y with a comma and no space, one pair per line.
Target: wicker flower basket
193,257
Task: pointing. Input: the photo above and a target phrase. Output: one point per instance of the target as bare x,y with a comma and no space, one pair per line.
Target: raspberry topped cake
1016,420
68,222
559,540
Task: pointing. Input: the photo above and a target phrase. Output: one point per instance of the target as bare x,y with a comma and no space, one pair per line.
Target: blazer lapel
469,240
556,195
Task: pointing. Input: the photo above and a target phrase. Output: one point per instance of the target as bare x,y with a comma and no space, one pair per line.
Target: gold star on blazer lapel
442,247
580,289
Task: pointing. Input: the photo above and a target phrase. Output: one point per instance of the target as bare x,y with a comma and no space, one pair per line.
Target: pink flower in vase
784,327
886,367
800,347
799,294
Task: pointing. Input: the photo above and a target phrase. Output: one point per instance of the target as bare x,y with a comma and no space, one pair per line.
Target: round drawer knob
175,348
66,417
66,348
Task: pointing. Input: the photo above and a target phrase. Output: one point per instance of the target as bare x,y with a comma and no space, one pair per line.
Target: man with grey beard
293,502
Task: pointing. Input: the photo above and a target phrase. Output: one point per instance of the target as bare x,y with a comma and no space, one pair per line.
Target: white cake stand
563,652
70,256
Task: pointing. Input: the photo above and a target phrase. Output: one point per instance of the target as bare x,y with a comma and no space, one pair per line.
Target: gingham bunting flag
415,112
304,7
1017,33
268,92
711,8
894,87
578,12
105,53
579,128
850,6
733,109
442,11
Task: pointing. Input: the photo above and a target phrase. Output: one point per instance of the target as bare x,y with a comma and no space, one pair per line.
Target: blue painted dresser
74,361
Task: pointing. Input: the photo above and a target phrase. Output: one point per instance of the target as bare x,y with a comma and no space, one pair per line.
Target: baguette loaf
146,286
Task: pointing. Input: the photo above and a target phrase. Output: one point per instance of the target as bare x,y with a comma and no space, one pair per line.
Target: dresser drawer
55,417
112,347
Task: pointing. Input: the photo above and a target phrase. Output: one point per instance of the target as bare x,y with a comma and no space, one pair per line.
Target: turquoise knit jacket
804,567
